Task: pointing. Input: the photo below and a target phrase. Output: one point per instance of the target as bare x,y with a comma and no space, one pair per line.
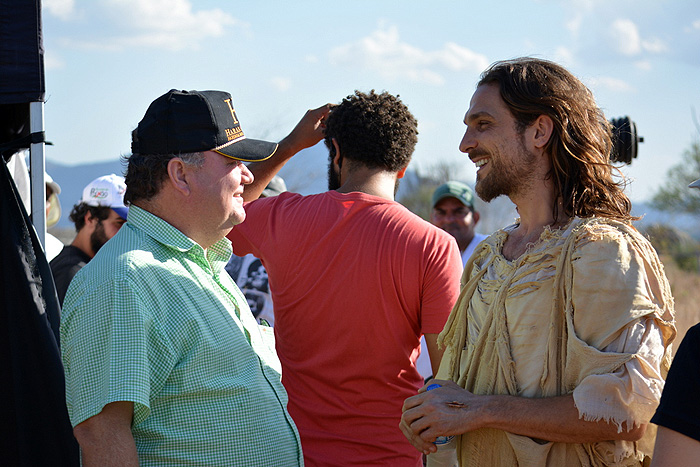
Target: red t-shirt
355,281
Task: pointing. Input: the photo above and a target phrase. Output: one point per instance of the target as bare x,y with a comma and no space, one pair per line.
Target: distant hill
73,178
306,173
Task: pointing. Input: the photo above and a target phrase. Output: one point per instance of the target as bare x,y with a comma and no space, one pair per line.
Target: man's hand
445,411
306,133
451,410
309,131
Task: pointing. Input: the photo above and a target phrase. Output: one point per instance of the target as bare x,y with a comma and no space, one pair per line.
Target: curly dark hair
581,141
376,130
77,214
145,173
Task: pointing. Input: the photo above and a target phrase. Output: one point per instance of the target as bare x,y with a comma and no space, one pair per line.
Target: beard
505,177
98,237
333,176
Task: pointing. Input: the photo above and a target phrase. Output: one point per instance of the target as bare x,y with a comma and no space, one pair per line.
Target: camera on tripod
625,140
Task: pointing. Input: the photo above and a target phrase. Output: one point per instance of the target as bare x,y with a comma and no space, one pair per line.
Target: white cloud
643,65
625,37
385,53
168,24
654,45
612,84
51,62
280,83
628,41
63,9
695,24
564,56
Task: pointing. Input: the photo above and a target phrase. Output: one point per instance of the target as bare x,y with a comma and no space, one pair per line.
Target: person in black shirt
97,217
678,414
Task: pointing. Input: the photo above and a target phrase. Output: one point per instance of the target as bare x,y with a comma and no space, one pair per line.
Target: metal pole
37,166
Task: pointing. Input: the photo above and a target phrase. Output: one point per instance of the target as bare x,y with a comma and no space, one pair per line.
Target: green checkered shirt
154,319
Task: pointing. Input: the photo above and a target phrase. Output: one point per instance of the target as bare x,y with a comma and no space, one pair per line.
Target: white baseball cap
107,191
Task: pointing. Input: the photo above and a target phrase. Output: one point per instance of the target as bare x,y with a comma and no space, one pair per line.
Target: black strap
25,141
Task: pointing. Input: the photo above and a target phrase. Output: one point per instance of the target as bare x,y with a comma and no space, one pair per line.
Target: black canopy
34,425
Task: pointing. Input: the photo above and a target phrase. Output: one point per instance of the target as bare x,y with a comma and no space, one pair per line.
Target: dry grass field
685,287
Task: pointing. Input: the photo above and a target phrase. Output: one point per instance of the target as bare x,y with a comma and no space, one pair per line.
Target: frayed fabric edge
623,449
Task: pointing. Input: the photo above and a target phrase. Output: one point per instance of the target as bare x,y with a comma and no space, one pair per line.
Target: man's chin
238,218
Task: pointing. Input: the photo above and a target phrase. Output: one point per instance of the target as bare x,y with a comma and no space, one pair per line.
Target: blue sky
106,60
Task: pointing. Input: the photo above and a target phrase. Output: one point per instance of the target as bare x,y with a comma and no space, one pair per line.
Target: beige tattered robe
588,310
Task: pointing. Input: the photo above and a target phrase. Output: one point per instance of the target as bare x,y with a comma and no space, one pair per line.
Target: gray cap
695,184
457,190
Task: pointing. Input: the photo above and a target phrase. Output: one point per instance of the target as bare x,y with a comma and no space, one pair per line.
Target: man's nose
468,142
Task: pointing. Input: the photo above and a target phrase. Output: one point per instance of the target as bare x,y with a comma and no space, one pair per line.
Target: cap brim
122,212
695,184
451,195
249,150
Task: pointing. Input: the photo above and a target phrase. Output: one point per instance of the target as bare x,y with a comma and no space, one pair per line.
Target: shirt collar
218,254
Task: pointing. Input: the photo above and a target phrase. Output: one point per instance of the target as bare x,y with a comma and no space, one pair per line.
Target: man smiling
556,348
164,362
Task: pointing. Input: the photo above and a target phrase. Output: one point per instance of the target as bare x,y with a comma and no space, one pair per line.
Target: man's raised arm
305,134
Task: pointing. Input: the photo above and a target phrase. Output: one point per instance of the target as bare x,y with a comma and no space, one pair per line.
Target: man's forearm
451,410
106,440
305,134
552,419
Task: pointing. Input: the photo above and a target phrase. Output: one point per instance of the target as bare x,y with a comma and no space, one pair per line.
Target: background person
356,279
453,211
678,415
556,348
53,215
98,216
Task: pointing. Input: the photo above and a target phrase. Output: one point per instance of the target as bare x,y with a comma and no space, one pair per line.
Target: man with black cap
164,361
453,211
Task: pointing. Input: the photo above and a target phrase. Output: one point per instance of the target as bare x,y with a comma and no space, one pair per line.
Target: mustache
477,153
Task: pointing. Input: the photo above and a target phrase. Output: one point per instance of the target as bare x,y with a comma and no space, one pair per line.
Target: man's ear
90,220
542,128
337,159
401,173
178,173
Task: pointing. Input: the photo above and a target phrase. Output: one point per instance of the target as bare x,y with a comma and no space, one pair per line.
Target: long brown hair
581,141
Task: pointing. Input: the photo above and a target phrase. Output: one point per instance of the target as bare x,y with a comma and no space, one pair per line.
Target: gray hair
145,174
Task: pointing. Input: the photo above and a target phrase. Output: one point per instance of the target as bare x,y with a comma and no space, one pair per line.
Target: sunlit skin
96,232
218,185
505,166
112,224
104,230
455,218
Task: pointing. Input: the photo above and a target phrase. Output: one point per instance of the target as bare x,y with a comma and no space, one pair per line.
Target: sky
106,60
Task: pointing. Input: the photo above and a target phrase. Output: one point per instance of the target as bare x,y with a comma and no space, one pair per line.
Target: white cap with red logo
107,191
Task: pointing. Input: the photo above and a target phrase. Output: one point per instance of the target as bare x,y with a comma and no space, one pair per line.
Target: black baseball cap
196,121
